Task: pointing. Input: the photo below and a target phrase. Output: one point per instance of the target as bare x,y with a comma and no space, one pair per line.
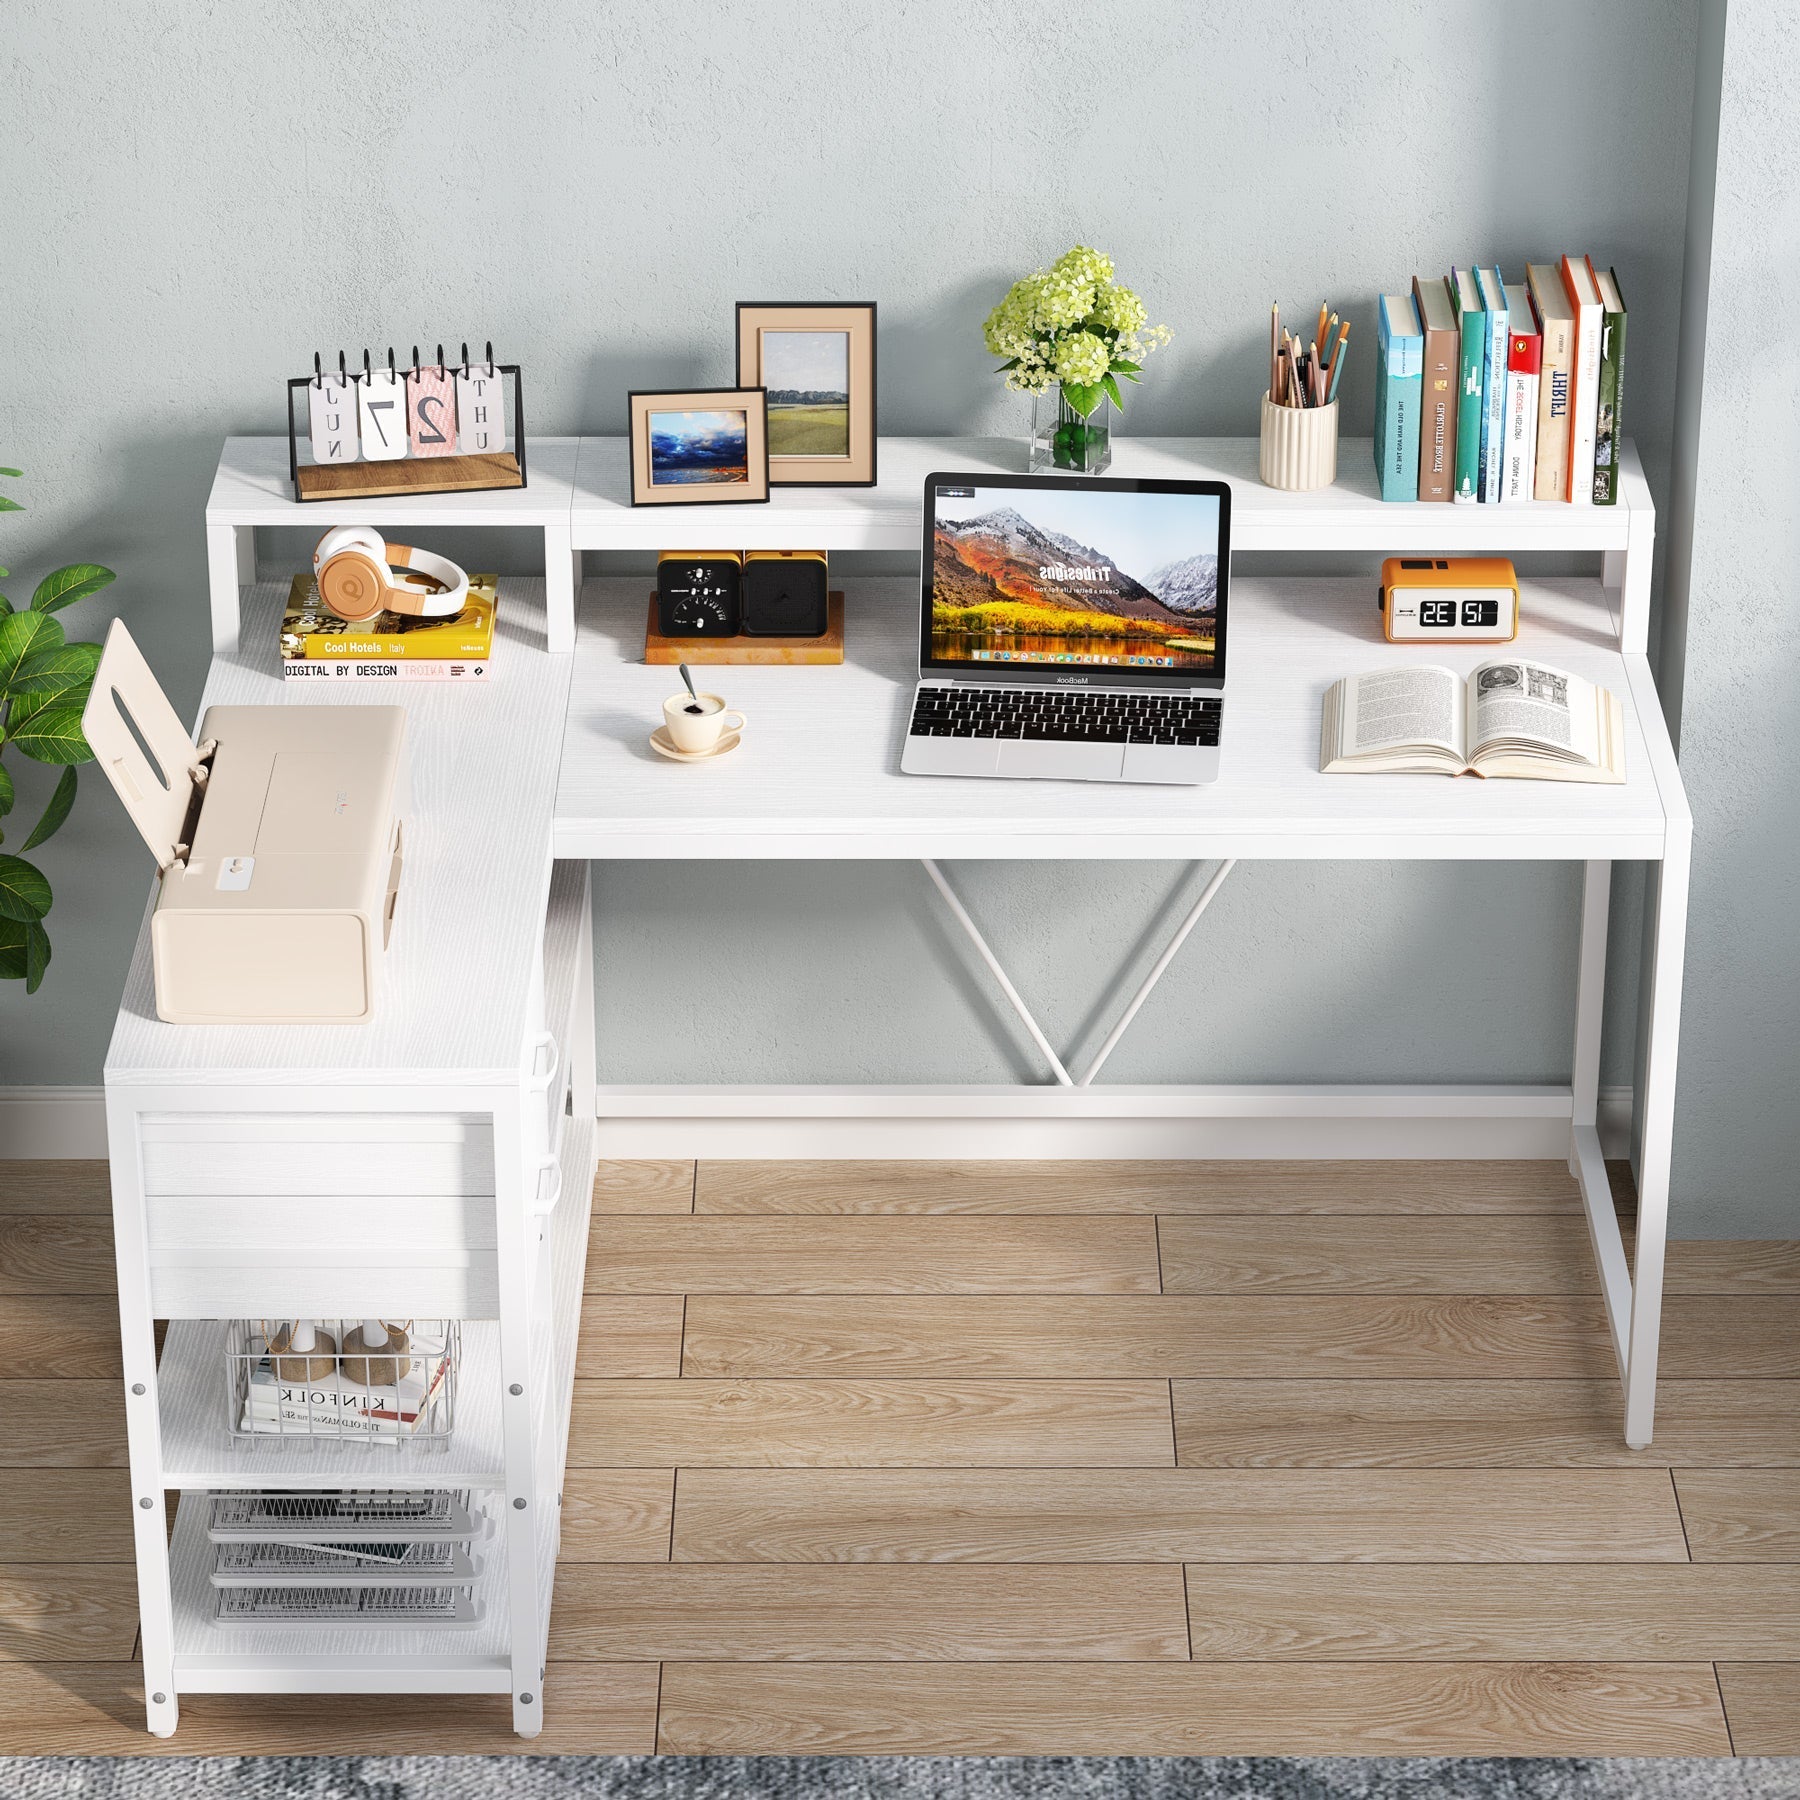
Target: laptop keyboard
1065,715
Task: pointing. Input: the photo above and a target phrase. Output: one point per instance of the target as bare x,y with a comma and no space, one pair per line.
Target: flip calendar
435,425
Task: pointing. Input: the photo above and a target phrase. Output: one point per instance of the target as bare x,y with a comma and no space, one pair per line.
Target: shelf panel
252,488
198,1452
1347,516
819,771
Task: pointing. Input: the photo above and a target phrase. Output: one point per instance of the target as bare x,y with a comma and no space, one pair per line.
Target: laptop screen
1046,575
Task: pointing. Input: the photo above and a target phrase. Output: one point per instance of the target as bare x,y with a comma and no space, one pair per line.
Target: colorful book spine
1584,380
1609,422
1472,337
1493,385
1443,356
1524,360
349,669
1556,322
1399,381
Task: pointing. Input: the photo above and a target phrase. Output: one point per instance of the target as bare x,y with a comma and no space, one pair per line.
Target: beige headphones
353,569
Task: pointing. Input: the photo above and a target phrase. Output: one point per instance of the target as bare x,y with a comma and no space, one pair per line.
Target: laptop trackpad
1060,762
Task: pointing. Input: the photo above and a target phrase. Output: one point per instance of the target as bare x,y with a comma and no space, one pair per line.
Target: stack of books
316,645
1488,391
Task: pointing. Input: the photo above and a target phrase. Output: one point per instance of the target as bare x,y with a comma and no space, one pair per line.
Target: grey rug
895,1778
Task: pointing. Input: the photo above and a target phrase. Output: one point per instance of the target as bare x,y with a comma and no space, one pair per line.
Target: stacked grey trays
365,1557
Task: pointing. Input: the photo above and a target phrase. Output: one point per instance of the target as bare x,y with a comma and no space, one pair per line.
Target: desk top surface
455,985
818,772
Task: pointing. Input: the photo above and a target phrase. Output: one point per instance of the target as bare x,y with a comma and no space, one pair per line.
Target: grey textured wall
198,197
1735,612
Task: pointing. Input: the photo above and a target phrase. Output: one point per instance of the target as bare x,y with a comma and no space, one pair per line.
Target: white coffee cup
695,725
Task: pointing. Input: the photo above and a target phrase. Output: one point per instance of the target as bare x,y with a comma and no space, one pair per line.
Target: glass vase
1062,440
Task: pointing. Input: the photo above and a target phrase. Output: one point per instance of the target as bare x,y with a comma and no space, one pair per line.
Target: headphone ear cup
353,585
349,537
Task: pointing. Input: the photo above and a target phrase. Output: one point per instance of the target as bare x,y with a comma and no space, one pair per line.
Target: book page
1417,704
1533,707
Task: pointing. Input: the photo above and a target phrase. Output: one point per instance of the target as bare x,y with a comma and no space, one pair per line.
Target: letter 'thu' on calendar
431,411
480,410
331,407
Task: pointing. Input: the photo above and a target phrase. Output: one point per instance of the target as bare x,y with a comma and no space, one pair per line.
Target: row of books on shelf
1492,391
316,645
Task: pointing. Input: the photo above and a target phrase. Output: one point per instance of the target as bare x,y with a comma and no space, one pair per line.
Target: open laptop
1072,628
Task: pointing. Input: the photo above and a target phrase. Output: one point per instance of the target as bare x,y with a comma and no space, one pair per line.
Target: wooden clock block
794,652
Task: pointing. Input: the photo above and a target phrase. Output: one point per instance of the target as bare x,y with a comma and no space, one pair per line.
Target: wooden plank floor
1061,1458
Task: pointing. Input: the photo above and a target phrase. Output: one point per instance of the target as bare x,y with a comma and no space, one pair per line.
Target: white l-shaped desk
416,1164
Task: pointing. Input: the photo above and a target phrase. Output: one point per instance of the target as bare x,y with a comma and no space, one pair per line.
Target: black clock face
698,599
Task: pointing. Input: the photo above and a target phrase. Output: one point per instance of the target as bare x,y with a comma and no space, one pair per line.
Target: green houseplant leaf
23,635
24,893
63,587
55,812
53,735
24,952
7,796
64,670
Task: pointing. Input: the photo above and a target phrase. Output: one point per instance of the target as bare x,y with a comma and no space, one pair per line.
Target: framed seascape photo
699,447
816,362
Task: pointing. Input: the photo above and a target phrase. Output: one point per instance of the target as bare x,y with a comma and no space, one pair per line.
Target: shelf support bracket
1016,1000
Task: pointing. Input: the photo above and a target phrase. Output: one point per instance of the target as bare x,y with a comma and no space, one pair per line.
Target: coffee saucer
664,745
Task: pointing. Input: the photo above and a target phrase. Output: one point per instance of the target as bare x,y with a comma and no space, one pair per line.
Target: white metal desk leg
562,582
143,1417
1590,998
1669,945
583,1049
515,1237
230,563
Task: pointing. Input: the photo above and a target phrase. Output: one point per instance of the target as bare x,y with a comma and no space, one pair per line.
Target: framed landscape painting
699,447
816,362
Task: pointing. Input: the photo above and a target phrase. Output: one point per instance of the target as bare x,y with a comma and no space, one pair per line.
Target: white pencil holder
1299,446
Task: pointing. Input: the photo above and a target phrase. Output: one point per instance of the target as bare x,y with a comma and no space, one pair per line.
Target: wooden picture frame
703,461
805,449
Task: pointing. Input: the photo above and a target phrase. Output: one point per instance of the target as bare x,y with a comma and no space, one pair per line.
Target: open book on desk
1511,717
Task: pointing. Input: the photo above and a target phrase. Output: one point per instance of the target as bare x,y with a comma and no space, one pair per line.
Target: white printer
277,841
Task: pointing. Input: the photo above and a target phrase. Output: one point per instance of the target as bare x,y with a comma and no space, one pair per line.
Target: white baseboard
52,1122
1107,1123
976,1124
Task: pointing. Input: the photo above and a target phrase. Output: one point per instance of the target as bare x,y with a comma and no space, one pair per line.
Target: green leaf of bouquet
60,671
24,893
1012,362
53,736
1121,367
7,794
54,814
12,472
63,587
7,505
1083,396
24,635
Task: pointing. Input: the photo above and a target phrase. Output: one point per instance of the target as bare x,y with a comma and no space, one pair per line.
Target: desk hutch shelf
414,1164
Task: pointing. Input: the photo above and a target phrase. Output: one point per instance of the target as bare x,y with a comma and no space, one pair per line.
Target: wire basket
365,1516
338,1392
418,1606
434,1562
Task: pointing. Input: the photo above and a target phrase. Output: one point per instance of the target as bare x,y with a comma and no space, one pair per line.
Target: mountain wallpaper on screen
1000,572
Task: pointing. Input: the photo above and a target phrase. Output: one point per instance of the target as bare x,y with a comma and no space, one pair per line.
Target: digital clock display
1437,615
1480,615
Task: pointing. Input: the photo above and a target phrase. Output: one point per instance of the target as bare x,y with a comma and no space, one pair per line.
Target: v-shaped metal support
1016,1000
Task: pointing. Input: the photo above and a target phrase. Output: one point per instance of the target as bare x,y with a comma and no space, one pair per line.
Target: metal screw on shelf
159,1699
515,1390
145,1503
137,1387
518,1504
524,1699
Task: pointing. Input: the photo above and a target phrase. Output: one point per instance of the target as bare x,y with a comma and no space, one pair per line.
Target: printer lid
140,745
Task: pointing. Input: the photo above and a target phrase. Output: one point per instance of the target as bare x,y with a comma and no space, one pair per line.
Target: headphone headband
353,568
